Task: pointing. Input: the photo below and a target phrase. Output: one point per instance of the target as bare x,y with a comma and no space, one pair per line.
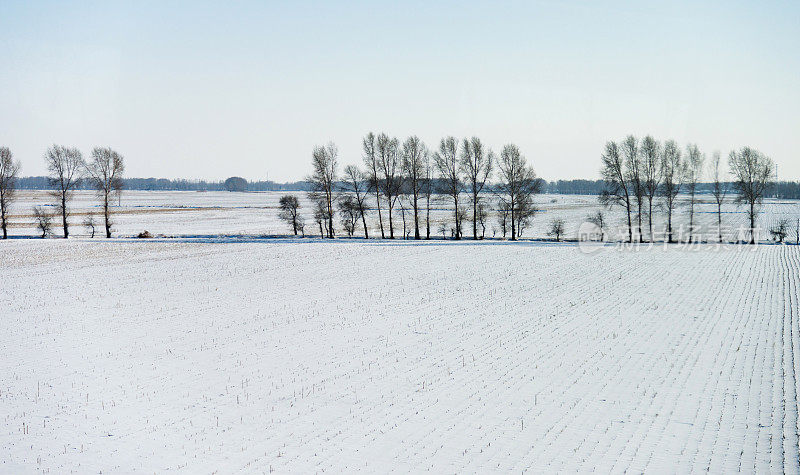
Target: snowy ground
311,356
182,213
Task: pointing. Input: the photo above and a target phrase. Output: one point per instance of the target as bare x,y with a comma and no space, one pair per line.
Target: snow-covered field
310,355
187,213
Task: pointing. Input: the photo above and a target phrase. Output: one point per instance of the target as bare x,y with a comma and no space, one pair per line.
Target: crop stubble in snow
444,356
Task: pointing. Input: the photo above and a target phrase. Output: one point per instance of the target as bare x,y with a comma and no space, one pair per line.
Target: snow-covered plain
309,355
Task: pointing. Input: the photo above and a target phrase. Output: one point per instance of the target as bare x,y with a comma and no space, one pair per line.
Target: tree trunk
669,222
455,214
752,223
391,223
475,217
403,215
64,214
330,216
378,205
650,217
630,223
513,223
639,206
108,220
428,218
416,220
3,217
719,220
364,222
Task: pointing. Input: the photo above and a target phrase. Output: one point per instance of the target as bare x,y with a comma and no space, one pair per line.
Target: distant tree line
787,190
165,184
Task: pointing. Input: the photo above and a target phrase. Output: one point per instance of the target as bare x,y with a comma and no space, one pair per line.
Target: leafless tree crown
357,183
476,165
290,205
415,155
323,180
517,184
446,160
105,174
391,167
673,170
65,165
617,188
634,169
694,174
752,172
9,168
650,151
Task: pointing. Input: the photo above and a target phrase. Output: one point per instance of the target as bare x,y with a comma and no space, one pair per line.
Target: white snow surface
308,356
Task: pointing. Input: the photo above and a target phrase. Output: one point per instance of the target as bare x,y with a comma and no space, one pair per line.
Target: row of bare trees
67,169
405,175
639,173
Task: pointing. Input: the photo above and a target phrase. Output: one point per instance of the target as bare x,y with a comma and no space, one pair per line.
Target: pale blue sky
209,90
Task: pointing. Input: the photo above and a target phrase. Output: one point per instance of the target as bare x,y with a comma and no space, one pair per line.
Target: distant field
336,356
177,213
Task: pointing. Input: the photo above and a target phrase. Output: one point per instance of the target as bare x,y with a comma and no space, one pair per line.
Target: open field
340,355
181,213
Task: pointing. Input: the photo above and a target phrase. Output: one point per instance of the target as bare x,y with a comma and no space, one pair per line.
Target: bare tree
289,205
635,172
617,188
8,185
556,229
65,166
599,220
503,216
443,228
415,155
780,230
44,220
517,185
674,170
321,215
357,183
323,180
371,162
446,160
461,215
391,182
650,151
105,173
797,232
719,190
350,213
694,173
482,216
525,213
476,164
752,172
90,224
